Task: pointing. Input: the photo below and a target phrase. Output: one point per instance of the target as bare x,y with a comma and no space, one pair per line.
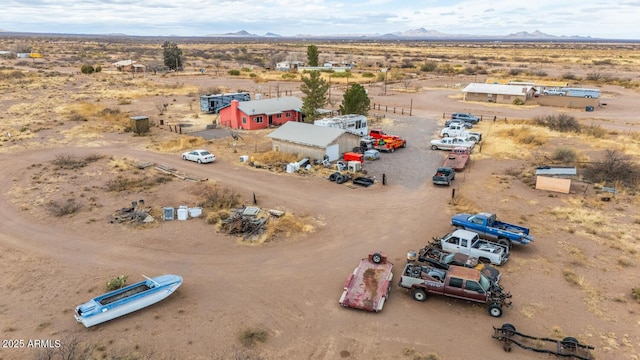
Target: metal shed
313,141
140,124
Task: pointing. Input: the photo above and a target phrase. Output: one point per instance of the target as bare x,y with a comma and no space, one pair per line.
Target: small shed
556,179
140,124
313,141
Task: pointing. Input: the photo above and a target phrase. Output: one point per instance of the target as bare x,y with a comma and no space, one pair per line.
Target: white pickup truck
459,130
450,143
469,243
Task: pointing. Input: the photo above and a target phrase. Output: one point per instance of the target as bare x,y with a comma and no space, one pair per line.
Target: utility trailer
569,347
457,159
369,285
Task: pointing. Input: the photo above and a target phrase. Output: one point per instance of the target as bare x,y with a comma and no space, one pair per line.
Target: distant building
288,65
497,93
129,66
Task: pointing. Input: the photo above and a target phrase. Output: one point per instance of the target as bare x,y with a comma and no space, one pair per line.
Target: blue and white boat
126,300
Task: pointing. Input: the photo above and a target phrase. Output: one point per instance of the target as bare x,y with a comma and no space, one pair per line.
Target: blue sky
598,19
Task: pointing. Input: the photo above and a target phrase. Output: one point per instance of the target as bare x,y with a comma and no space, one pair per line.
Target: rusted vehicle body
369,285
456,282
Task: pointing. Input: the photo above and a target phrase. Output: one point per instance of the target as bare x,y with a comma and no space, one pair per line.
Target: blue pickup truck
489,227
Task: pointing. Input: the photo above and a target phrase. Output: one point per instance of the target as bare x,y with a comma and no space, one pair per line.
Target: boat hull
126,300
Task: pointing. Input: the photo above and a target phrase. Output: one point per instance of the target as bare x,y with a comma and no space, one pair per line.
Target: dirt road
289,287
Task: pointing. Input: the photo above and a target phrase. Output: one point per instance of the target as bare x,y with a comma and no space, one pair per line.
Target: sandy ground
290,287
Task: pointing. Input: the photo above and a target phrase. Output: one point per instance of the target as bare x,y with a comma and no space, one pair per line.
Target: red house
261,114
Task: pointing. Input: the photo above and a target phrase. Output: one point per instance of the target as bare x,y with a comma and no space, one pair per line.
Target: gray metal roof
270,106
496,89
556,171
307,134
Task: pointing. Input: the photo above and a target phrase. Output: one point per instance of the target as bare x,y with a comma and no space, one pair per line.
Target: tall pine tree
315,88
312,55
355,101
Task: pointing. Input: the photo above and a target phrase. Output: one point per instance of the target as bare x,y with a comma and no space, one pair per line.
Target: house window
244,120
258,119
287,114
279,116
507,97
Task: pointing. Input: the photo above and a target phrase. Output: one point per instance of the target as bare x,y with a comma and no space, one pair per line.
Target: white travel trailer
353,123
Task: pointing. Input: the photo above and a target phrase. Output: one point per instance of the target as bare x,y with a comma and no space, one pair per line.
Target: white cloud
290,17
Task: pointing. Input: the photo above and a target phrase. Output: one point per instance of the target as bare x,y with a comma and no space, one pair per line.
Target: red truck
457,159
456,282
397,141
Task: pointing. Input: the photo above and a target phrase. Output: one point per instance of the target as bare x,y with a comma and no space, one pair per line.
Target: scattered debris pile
245,221
172,171
248,221
137,213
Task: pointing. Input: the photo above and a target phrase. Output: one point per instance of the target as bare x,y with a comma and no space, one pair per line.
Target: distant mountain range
420,33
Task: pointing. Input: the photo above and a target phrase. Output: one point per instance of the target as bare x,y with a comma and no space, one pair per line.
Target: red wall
231,117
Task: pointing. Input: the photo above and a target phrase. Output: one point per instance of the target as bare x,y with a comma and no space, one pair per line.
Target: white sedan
199,156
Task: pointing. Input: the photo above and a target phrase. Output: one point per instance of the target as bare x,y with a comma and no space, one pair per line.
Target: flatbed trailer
457,159
368,287
568,347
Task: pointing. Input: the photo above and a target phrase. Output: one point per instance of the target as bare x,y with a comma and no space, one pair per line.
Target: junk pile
247,222
137,213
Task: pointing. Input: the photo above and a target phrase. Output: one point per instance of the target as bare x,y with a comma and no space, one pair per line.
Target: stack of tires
339,178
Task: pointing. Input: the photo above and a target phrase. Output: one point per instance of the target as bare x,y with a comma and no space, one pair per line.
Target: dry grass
273,157
122,164
461,204
250,337
184,142
216,198
287,226
572,278
413,354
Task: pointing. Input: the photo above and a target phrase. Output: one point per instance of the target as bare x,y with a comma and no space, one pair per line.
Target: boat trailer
568,347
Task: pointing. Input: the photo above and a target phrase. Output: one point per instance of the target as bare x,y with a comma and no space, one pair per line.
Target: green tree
87,69
315,88
355,101
312,55
172,55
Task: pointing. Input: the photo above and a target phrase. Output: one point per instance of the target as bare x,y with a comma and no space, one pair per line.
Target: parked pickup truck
450,143
489,227
457,129
457,159
554,91
379,134
457,282
469,243
444,176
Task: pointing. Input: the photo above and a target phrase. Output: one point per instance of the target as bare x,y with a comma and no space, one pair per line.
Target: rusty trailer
369,285
569,347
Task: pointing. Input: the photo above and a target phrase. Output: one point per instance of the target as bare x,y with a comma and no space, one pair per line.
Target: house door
270,120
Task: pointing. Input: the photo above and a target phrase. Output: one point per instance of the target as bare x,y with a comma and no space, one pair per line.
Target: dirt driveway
290,287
